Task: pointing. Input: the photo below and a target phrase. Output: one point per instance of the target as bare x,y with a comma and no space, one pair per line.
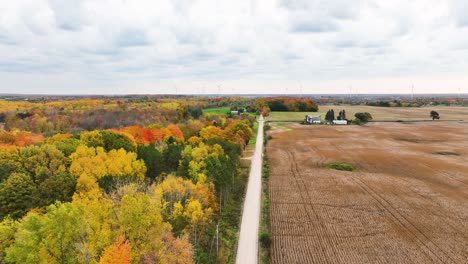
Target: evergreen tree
16,195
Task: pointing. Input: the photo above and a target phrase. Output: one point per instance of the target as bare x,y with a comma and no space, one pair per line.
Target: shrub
265,240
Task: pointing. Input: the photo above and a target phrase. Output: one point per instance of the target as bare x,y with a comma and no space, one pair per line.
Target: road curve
247,249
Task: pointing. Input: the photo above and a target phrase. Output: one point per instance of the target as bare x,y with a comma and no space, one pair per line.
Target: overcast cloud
242,46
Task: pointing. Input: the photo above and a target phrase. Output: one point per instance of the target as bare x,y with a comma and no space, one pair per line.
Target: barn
313,119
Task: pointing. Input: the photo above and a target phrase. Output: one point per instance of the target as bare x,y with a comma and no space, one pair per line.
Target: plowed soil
407,202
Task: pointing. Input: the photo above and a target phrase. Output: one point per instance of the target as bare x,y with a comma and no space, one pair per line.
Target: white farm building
340,122
313,119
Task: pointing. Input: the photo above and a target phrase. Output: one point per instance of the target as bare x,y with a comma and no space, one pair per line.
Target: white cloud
134,46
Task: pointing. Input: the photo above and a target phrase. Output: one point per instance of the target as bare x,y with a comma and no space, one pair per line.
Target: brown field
407,203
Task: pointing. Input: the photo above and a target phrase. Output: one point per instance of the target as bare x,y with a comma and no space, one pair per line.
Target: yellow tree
212,133
90,165
188,207
139,218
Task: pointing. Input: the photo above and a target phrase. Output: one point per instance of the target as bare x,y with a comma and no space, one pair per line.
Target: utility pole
217,240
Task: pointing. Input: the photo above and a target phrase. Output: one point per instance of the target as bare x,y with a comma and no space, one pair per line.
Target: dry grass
401,113
404,205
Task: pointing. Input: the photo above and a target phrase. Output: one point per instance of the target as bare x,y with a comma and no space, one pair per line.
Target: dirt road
247,249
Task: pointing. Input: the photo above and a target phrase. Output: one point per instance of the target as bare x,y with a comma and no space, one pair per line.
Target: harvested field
406,202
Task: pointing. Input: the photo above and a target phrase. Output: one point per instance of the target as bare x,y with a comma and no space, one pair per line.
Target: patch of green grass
292,116
446,153
253,140
216,111
341,166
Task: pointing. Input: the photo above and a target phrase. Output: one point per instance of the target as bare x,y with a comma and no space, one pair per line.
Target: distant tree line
283,104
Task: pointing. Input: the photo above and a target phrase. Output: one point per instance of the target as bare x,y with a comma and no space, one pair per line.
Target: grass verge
253,139
264,229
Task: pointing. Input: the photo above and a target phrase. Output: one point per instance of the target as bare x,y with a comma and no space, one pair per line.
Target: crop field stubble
406,203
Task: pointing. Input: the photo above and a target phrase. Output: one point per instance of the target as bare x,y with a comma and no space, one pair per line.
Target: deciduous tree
117,253
43,162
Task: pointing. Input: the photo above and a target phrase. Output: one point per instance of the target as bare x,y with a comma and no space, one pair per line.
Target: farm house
340,122
313,119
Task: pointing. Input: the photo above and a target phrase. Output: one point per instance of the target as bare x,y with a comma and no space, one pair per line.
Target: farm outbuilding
313,119
340,122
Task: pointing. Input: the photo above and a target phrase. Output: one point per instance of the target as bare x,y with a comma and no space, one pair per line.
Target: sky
241,46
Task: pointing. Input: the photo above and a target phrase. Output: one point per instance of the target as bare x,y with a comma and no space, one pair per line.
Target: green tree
7,235
25,248
153,159
117,141
330,116
10,161
62,227
172,154
51,238
67,146
342,115
43,162
59,187
195,112
6,169
363,117
16,195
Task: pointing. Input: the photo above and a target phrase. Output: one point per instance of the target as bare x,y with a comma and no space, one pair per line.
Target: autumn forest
124,180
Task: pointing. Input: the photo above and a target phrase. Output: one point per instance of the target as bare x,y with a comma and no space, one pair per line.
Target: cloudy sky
241,46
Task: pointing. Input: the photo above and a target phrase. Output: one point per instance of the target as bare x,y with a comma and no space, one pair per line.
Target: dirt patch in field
405,204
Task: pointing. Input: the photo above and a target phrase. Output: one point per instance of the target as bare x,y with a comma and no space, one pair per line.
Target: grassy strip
292,116
253,139
264,229
341,166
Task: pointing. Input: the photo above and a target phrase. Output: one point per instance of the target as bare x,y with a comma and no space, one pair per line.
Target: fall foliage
118,181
